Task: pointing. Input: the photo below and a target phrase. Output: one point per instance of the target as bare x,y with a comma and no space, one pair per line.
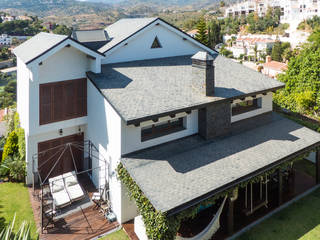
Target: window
162,129
63,100
156,43
246,106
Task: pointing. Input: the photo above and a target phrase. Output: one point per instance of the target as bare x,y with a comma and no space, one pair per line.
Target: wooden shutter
63,100
45,104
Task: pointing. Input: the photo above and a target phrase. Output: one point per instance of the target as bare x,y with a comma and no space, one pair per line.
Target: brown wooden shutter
45,104
58,103
63,100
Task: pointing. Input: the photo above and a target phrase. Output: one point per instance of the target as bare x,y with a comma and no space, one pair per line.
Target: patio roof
177,175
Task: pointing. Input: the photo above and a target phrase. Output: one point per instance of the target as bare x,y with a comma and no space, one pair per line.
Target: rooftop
279,66
124,28
37,45
141,90
189,170
93,39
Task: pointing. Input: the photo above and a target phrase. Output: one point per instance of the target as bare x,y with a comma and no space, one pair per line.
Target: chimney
268,59
203,73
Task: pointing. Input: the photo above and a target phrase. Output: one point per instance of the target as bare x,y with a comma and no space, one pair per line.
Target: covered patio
254,168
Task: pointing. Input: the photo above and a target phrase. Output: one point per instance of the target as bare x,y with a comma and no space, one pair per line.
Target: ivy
158,224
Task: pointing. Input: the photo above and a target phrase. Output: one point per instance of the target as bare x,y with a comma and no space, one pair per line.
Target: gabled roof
182,173
133,92
123,29
42,43
38,45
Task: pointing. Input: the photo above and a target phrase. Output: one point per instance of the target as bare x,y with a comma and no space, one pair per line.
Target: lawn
301,221
14,198
119,235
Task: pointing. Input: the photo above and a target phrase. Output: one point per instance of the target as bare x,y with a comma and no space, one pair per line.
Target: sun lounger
59,194
72,186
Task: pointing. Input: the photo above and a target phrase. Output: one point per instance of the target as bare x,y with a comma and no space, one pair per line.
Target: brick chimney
268,59
203,73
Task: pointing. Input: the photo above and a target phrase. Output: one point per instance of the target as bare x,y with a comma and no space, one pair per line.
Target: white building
292,11
5,39
154,88
243,8
251,46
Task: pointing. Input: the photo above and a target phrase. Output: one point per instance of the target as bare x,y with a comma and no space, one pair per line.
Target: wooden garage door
52,151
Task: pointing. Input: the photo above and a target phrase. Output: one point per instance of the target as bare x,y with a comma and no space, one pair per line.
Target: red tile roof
278,66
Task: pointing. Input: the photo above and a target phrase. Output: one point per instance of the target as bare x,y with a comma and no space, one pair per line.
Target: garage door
52,157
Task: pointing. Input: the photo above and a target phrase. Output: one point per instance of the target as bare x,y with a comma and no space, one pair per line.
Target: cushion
71,181
56,187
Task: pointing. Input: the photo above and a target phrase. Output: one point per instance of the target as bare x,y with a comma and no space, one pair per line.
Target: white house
152,98
5,39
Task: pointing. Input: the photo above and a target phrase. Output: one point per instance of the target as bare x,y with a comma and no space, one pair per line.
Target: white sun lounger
72,186
59,194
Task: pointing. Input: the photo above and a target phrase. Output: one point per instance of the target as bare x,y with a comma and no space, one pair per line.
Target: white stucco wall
32,144
23,76
104,131
266,106
131,140
68,63
139,47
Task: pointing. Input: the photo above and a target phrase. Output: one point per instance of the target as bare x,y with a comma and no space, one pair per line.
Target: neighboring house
158,101
5,39
273,68
193,32
251,46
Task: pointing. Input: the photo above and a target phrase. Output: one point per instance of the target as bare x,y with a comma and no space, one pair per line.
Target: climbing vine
161,226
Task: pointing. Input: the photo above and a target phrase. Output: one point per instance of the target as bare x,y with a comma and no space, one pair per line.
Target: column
280,188
318,167
230,216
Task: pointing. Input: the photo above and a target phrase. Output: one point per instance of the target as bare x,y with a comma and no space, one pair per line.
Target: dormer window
156,43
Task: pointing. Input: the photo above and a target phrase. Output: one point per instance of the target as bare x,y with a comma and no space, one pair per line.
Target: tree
222,4
62,30
302,90
276,53
11,146
202,35
214,33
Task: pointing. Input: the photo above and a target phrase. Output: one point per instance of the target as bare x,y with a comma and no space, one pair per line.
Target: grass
14,199
119,235
301,220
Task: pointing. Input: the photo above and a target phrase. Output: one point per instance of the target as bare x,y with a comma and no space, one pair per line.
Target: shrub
11,146
14,168
23,232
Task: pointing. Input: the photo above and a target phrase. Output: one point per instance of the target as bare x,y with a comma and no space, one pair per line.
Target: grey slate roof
123,29
143,89
37,45
90,35
179,172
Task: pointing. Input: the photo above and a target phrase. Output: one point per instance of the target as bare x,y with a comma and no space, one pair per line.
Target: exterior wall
33,140
266,106
131,140
271,72
68,63
23,76
139,48
105,132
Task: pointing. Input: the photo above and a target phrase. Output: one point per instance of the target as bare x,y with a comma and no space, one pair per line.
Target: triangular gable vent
156,43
